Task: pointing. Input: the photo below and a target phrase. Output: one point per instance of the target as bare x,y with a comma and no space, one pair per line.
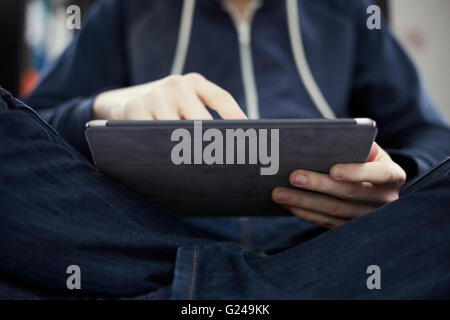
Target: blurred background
35,34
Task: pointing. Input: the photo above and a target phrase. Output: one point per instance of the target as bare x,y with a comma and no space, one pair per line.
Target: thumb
373,152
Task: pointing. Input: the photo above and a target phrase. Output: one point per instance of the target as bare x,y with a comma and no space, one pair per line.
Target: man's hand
171,98
349,191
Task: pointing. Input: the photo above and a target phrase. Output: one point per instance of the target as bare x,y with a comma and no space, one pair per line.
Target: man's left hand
348,191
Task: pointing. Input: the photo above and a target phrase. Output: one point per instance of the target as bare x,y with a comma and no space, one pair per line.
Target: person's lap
408,239
55,211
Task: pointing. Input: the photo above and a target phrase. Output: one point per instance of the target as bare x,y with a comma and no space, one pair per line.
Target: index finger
216,98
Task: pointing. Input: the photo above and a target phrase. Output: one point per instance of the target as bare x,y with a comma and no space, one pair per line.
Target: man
117,68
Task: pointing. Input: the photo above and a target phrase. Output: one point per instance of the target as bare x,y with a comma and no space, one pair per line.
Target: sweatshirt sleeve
387,88
92,63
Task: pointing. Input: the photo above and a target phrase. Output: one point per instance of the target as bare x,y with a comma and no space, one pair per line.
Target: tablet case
137,154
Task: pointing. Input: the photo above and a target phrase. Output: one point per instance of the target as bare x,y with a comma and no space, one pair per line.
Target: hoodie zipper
243,29
244,33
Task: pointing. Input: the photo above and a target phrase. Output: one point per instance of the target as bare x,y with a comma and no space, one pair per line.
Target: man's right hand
172,98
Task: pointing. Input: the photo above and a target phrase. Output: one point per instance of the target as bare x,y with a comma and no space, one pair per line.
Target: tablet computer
222,167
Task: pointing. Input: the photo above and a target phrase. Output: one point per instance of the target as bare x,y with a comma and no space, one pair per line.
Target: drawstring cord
184,36
295,36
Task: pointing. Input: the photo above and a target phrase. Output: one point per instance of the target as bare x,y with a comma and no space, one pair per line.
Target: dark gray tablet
222,167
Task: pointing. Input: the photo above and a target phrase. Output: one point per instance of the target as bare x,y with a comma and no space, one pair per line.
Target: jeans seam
30,112
427,178
194,267
23,106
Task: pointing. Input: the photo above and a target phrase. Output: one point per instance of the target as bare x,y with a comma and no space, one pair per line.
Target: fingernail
281,195
338,172
300,179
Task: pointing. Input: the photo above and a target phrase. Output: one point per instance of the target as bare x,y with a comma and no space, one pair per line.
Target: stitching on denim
194,267
427,178
46,127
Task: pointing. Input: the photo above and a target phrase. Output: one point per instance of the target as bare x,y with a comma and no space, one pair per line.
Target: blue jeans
57,211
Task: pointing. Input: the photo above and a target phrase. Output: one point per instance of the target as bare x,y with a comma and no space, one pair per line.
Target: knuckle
388,175
132,108
194,76
173,80
130,105
146,103
352,191
148,92
127,109
156,97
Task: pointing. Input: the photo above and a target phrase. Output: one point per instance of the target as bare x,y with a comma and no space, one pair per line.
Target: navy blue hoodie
354,71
